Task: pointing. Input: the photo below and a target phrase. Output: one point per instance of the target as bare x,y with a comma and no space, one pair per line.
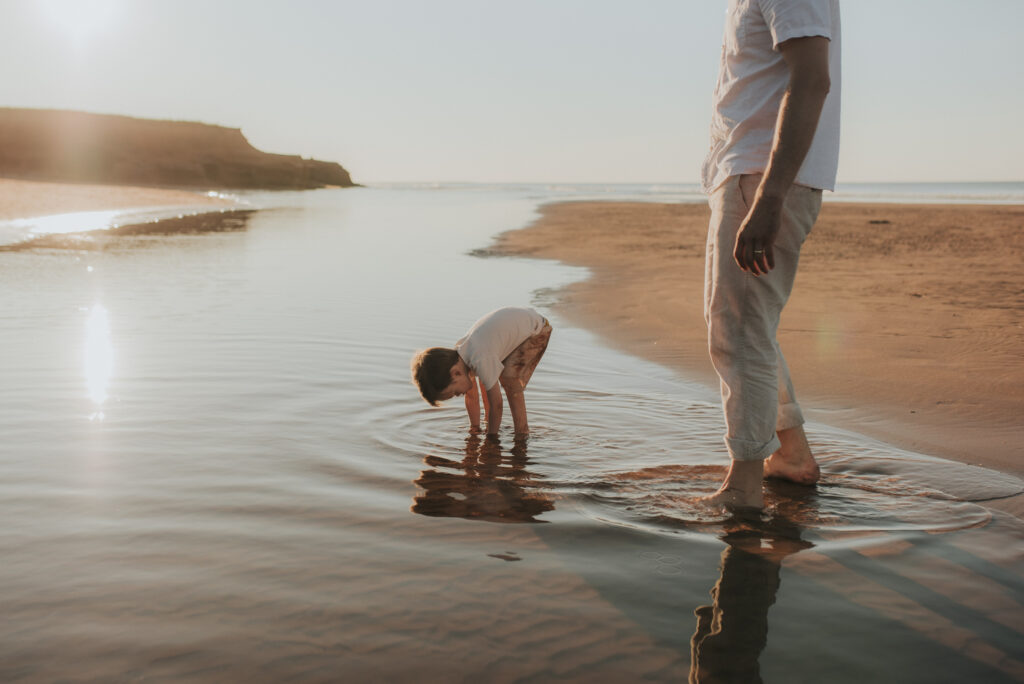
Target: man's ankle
793,443
745,475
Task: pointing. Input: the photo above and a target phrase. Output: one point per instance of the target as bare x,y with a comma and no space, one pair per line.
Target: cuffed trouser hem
790,416
743,450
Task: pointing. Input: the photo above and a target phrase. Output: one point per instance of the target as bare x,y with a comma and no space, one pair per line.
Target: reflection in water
732,632
488,484
98,357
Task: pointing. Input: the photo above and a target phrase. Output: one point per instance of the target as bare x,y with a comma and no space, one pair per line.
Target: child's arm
487,402
494,415
473,406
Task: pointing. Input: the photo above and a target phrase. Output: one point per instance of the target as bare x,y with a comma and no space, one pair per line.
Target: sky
607,91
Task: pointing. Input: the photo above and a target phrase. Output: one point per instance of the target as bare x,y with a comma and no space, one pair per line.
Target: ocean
916,193
215,468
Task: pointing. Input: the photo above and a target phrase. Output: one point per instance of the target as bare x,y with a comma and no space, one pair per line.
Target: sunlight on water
66,223
83,226
276,503
98,357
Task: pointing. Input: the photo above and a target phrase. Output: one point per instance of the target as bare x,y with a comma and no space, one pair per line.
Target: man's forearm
799,111
808,62
794,132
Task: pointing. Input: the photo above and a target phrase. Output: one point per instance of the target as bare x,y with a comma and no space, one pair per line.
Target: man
774,148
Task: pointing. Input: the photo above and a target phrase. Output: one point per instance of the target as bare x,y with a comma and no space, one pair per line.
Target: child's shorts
520,364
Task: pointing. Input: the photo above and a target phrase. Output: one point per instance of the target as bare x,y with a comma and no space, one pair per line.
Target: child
502,348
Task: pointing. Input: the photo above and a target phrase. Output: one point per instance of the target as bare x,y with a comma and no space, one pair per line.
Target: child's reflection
488,484
733,631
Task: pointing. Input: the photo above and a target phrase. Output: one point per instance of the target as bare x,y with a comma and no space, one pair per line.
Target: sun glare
79,20
99,356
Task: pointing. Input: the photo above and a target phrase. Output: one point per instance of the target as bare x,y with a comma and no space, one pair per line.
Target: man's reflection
733,631
488,484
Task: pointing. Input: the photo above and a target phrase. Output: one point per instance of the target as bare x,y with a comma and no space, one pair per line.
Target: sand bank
28,199
905,323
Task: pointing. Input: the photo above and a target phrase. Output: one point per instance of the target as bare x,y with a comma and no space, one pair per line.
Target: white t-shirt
752,80
494,337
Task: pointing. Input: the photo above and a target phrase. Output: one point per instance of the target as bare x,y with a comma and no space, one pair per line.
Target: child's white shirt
491,339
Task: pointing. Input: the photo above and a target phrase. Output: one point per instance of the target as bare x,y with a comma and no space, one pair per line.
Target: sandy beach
905,323
28,199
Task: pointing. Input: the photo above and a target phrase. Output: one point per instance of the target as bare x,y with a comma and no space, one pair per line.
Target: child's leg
519,367
516,403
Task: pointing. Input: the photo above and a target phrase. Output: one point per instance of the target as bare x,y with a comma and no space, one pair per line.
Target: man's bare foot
741,488
794,460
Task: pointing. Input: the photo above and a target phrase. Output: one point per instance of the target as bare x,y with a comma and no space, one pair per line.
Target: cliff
76,147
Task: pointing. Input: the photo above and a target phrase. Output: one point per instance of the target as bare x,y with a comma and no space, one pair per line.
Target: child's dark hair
432,371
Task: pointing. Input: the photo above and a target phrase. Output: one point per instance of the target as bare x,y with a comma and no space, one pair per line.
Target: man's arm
494,416
473,406
807,59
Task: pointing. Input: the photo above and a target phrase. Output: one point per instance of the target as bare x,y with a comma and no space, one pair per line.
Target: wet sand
28,199
905,322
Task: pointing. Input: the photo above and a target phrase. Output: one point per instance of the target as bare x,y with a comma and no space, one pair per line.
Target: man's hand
799,111
755,243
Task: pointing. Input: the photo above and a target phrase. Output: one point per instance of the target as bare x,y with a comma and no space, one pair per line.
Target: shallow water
214,468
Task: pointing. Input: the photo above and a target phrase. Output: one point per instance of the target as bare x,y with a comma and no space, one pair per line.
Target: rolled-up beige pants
742,314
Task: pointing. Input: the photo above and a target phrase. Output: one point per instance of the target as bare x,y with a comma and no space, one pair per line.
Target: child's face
460,384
